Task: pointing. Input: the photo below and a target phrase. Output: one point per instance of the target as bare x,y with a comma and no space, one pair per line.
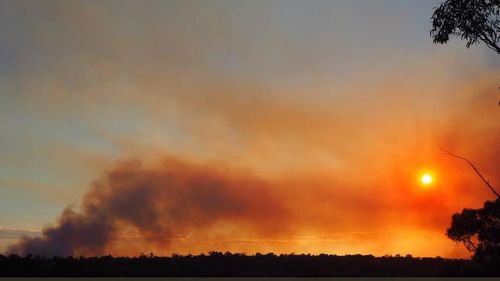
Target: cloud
12,233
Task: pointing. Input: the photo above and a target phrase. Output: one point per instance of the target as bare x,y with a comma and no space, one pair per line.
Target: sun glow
426,179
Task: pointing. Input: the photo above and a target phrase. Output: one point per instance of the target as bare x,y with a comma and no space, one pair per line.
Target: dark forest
218,264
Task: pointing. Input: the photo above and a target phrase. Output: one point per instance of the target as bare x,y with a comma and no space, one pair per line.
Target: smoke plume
170,199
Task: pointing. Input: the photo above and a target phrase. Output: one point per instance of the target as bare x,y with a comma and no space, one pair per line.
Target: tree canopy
479,231
472,20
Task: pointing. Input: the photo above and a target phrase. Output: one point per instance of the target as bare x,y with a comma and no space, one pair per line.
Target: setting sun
426,179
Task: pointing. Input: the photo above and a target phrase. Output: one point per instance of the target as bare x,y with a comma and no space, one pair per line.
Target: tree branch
490,43
475,169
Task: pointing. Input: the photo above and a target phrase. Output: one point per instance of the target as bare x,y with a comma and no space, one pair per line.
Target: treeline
219,264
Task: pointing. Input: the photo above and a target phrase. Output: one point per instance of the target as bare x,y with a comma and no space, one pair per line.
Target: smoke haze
246,126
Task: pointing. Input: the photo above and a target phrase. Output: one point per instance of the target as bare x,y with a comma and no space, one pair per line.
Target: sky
281,126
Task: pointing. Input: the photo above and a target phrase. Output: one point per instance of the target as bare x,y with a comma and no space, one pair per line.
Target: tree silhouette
218,264
471,20
474,21
479,231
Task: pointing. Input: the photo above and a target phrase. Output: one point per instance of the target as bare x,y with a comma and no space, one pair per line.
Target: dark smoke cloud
172,198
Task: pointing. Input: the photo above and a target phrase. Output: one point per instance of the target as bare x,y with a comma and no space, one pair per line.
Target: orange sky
263,127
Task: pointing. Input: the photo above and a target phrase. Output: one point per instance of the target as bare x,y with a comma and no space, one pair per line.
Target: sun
426,179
